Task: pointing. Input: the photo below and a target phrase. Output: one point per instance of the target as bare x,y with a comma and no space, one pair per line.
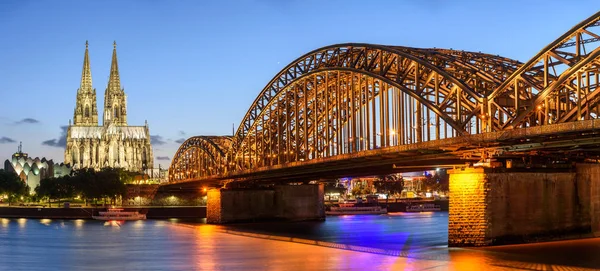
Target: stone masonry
468,218
492,207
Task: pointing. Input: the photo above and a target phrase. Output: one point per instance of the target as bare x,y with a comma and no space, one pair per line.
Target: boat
119,214
350,209
423,207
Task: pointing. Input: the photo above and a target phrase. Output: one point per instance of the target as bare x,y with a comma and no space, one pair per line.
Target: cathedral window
116,115
87,111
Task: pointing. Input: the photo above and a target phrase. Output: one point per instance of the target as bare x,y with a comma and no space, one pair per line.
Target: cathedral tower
114,144
115,100
86,113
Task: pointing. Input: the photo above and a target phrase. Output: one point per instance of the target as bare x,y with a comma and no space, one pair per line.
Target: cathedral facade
113,144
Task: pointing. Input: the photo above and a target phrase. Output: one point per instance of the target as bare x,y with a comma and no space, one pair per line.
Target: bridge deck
571,137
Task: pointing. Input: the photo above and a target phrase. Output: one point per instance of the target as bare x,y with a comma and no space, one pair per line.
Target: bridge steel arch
353,97
200,156
557,85
348,98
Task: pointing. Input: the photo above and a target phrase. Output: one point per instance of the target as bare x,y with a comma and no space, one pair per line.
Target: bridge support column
502,206
288,202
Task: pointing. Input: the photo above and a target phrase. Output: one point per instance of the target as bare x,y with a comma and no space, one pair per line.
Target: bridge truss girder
348,98
200,156
557,85
373,92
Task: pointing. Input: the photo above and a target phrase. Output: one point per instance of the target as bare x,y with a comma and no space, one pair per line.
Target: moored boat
423,207
350,209
119,214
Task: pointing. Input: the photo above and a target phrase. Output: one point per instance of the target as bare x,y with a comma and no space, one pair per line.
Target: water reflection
78,223
113,223
4,222
397,242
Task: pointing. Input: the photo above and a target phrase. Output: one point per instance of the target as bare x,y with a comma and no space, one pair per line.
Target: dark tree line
389,185
91,185
437,182
12,186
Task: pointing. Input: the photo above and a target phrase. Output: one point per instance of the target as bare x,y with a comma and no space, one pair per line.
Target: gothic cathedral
113,144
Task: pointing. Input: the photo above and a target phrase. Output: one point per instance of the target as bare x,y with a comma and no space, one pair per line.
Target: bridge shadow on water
423,236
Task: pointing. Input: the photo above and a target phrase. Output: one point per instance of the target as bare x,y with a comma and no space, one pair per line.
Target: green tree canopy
389,184
11,185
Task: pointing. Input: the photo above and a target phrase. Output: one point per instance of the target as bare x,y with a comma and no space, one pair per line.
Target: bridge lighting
204,189
392,132
539,107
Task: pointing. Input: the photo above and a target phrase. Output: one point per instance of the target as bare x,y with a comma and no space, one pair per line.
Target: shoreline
152,212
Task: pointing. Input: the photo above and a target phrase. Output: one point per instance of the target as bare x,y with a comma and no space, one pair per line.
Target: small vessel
423,207
119,214
350,209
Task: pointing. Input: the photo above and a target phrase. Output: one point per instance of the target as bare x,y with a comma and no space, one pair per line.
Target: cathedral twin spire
86,112
115,106
86,74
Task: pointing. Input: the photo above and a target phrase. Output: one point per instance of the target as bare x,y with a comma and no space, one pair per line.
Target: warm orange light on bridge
204,189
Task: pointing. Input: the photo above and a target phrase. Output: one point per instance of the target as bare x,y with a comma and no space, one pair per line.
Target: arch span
546,89
350,98
336,86
200,156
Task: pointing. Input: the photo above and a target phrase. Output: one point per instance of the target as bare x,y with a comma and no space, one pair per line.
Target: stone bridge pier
286,202
504,206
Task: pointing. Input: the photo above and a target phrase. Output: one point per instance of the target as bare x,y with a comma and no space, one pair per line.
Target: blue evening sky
194,67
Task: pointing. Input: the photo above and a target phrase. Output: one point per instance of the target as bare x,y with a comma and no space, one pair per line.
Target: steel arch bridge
353,98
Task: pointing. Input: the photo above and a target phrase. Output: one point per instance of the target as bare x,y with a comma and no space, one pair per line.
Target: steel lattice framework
349,98
200,156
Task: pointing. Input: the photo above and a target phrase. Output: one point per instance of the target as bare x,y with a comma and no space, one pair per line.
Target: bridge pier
507,206
288,202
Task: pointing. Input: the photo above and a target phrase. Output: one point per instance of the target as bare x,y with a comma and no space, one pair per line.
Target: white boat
423,207
350,209
118,214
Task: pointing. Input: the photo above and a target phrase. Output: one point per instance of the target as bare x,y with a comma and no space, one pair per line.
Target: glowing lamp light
204,189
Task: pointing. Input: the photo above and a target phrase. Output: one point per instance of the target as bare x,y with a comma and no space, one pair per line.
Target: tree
334,187
436,182
389,184
11,185
359,188
91,184
111,184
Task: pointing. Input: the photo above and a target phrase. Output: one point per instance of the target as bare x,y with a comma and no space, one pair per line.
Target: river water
416,241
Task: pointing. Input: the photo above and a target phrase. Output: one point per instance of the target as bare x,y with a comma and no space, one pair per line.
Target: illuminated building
32,170
113,144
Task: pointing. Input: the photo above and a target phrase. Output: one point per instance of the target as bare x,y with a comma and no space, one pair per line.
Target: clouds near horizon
27,121
61,142
157,140
6,140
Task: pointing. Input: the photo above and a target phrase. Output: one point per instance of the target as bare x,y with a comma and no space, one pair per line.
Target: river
415,241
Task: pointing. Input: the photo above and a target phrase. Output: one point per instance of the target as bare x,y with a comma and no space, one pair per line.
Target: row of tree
391,185
91,185
12,186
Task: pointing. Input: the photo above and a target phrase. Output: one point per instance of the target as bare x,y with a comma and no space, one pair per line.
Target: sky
195,67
